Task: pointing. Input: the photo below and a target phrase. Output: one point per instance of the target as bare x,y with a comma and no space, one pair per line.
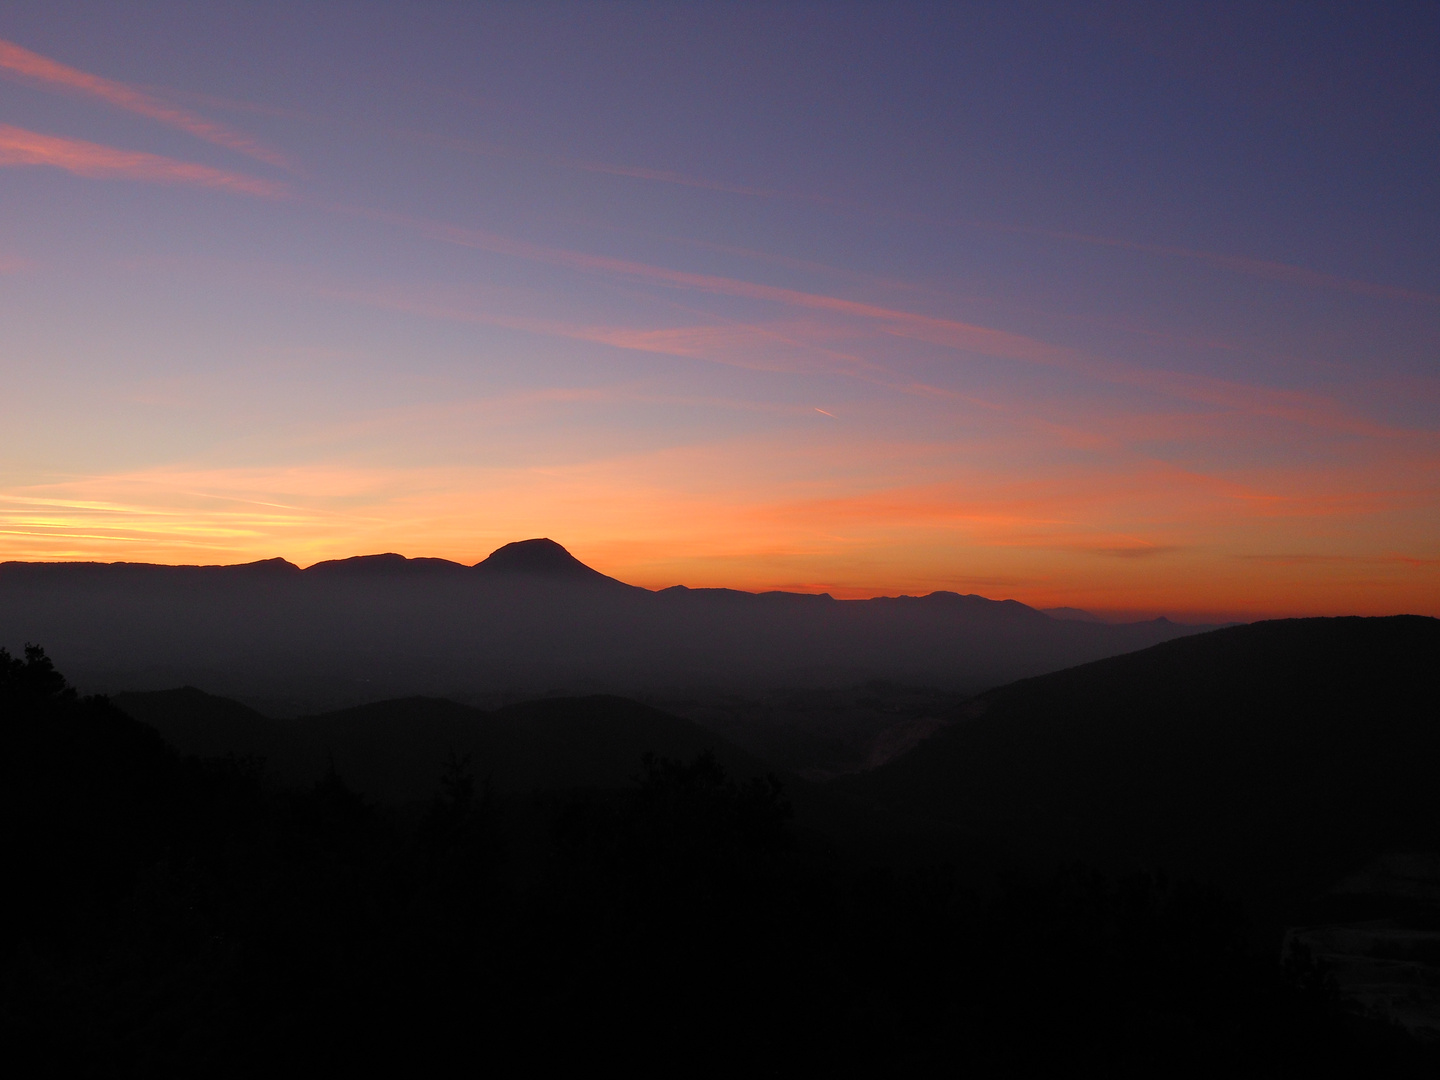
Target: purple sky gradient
1122,306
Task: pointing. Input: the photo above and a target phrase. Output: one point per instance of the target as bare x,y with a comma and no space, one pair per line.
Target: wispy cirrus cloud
21,63
804,265
1240,264
606,168
784,346
1269,269
1309,409
665,176
980,339
766,347
19,147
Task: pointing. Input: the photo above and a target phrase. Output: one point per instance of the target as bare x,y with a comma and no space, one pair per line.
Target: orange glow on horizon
1122,543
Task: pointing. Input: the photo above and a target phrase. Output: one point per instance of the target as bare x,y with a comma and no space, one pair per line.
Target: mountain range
394,751
1156,828
528,620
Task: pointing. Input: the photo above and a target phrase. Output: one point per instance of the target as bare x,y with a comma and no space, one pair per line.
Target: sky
1133,307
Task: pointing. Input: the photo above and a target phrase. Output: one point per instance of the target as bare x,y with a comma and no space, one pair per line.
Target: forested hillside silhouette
1272,757
389,750
175,914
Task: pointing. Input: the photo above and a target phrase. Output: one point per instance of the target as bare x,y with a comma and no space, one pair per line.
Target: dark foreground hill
177,916
1270,759
527,621
393,751
1293,765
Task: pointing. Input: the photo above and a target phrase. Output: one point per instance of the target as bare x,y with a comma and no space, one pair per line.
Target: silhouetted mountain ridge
530,620
387,564
1272,757
394,750
544,558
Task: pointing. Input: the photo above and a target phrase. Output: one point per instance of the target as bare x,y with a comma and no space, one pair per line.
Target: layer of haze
1121,306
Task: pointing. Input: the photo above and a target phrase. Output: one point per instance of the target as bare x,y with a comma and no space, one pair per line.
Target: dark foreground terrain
1152,864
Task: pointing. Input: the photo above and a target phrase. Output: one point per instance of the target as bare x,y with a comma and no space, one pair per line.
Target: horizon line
1100,613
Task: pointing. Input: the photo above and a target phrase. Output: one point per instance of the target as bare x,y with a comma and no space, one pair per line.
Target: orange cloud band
40,69
21,147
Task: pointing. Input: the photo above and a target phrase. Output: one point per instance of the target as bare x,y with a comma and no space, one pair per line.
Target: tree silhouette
30,680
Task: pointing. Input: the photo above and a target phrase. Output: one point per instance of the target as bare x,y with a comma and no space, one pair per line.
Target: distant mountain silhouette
394,750
1271,758
820,733
1074,613
387,565
543,558
529,620
195,722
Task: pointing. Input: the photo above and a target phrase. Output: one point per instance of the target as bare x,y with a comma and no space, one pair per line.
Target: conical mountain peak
541,557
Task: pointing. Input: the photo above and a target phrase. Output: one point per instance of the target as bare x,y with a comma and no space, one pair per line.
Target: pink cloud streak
745,345
1240,264
960,335
1262,268
33,67
1296,407
21,147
